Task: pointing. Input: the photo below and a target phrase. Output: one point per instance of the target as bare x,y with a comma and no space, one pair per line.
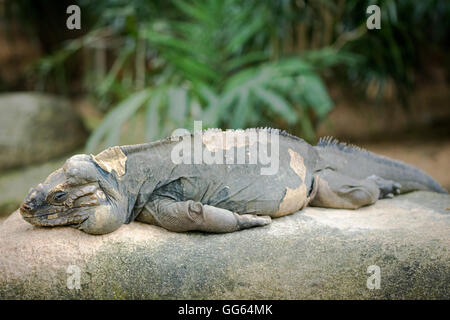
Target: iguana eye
59,196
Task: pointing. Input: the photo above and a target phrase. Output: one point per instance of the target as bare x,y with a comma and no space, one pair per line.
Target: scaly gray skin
97,194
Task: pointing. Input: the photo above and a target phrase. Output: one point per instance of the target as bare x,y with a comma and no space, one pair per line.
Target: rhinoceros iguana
97,194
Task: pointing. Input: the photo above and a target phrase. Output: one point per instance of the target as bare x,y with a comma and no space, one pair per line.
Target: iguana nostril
25,208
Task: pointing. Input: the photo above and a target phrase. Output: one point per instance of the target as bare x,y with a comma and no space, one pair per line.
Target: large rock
35,127
314,254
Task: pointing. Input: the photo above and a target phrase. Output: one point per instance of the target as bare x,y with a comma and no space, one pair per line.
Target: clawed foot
249,220
388,188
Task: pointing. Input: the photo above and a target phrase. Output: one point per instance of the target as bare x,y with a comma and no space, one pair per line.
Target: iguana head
79,194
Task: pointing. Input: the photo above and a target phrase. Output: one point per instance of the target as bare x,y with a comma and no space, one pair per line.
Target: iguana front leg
335,190
190,215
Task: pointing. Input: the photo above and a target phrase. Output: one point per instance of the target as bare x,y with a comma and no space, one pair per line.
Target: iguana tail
359,163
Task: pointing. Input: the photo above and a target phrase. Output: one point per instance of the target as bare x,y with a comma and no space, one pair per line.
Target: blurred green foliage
242,64
411,32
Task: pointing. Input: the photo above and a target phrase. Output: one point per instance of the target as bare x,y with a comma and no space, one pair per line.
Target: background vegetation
230,63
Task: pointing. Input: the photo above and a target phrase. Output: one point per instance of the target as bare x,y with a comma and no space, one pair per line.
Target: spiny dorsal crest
140,147
331,142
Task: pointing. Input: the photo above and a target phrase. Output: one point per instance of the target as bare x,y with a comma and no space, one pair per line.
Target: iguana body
99,193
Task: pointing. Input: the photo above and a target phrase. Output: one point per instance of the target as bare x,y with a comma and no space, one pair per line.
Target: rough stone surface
314,254
36,127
